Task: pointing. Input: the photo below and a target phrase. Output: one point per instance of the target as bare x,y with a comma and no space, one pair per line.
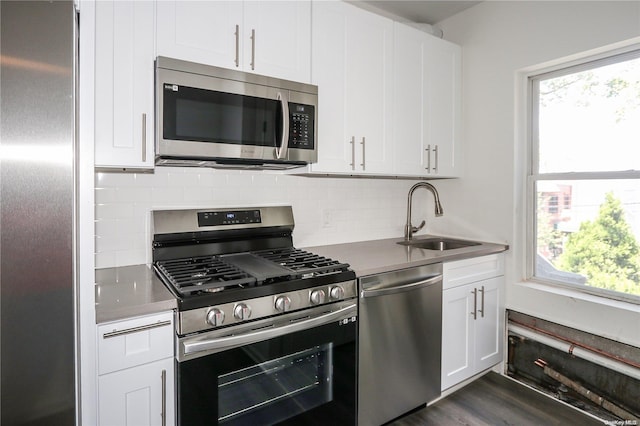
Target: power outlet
327,218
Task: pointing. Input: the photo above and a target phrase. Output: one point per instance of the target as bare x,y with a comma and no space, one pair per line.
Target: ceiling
421,11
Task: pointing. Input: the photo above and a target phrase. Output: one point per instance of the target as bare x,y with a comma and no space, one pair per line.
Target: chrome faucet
409,228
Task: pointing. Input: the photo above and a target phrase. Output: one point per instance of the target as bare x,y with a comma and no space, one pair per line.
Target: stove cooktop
212,256
230,276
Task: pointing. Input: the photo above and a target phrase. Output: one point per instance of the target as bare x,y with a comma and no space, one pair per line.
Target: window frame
533,176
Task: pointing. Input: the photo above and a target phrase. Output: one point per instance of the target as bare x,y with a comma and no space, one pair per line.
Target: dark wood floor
496,400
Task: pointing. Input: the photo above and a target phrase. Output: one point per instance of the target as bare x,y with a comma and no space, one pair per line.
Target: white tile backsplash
326,210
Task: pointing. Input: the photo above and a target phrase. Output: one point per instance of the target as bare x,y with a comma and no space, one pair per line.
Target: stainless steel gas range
265,332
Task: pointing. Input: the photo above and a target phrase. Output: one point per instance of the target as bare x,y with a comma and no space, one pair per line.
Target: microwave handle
281,153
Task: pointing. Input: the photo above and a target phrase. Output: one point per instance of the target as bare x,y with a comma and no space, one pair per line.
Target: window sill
582,296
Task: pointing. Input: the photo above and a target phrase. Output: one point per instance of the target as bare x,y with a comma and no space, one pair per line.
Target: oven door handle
229,342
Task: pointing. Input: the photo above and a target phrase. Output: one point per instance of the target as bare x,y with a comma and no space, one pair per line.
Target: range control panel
230,217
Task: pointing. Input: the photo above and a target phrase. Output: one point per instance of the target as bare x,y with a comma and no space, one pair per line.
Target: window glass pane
592,237
590,120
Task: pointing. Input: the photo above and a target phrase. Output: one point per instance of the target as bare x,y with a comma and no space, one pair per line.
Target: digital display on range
231,217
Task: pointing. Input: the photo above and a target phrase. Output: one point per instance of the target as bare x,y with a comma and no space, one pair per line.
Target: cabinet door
409,101
352,66
329,25
442,79
138,396
368,89
277,39
489,327
207,32
124,77
457,335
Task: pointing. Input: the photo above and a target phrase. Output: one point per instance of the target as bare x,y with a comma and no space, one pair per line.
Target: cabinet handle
353,153
253,49
237,34
435,151
428,158
363,153
163,414
482,302
144,137
116,333
475,303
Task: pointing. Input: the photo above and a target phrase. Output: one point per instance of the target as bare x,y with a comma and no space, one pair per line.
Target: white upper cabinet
267,37
427,104
409,100
124,106
442,119
352,66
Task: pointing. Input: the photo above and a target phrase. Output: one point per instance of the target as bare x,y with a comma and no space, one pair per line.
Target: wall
499,41
326,210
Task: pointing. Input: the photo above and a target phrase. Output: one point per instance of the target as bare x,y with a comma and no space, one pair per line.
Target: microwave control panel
301,126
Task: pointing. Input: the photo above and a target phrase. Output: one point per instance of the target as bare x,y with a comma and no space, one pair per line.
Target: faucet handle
417,228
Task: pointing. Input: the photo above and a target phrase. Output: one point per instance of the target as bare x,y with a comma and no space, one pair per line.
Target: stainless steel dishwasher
399,343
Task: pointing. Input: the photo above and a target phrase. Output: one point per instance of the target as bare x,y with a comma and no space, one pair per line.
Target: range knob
336,293
283,303
317,297
215,317
242,311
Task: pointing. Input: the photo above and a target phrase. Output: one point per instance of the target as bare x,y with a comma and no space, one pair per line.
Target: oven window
276,390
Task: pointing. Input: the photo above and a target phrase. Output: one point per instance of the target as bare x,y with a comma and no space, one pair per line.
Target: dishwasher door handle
401,288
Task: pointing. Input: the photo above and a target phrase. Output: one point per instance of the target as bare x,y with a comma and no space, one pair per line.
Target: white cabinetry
427,104
442,70
124,107
352,66
472,317
136,371
268,37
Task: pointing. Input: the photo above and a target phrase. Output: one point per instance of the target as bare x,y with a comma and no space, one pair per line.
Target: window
584,180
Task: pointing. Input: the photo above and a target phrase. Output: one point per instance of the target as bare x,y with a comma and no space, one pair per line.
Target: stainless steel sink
438,243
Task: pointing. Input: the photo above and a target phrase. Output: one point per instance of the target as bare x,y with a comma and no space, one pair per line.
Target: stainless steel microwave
215,117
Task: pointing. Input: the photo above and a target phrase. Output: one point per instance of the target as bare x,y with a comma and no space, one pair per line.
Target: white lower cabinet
136,374
472,317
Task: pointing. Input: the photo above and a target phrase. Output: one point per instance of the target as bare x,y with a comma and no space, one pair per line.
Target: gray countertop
130,291
379,256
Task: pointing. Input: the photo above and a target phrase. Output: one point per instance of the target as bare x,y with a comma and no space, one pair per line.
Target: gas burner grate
302,262
203,273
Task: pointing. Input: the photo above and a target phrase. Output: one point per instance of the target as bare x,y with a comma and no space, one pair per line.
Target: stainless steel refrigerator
37,217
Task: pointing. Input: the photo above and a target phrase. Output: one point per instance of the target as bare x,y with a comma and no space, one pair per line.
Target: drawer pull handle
116,333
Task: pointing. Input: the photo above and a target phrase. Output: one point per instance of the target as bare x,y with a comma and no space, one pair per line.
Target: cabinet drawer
124,344
471,270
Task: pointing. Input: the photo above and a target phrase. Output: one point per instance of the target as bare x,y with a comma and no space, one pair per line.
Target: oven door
300,370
